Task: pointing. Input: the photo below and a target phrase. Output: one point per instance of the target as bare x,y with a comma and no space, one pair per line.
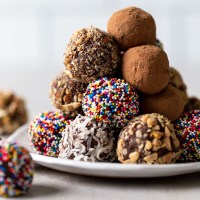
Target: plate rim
69,165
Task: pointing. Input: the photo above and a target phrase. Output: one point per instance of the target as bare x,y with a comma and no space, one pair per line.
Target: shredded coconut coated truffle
87,140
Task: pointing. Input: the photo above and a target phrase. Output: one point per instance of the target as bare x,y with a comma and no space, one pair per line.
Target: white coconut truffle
87,140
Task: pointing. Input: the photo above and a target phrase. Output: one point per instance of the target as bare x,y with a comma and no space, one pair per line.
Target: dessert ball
13,113
192,104
66,93
112,101
176,80
45,132
87,140
16,170
91,54
146,68
168,102
148,139
132,27
159,44
187,129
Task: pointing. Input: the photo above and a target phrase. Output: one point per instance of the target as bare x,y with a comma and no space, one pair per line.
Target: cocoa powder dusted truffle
90,54
146,68
132,27
148,139
66,93
168,102
176,80
13,112
87,140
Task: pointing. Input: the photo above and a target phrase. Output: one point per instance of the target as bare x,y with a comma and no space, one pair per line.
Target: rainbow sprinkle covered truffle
46,131
188,131
112,101
16,170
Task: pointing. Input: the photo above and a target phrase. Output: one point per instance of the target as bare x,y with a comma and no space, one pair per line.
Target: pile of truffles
119,99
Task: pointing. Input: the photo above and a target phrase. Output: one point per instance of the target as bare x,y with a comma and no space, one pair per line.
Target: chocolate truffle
45,132
13,112
132,27
90,54
148,139
176,80
87,140
16,170
66,93
146,68
187,129
158,43
112,101
192,104
168,102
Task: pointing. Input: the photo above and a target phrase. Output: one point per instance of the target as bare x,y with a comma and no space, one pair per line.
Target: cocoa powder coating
132,27
146,68
168,102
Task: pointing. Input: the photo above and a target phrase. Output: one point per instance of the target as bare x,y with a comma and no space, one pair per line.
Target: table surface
50,184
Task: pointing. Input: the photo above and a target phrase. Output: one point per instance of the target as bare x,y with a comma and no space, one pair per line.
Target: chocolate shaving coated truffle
148,139
91,54
66,93
87,140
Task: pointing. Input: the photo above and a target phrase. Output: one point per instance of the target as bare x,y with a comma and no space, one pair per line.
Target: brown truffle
146,68
159,44
66,93
148,139
13,112
132,27
168,102
192,104
91,54
176,80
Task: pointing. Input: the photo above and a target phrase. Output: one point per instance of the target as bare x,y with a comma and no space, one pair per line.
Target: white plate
114,170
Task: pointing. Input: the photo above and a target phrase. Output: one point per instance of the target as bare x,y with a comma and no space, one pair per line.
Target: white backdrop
34,33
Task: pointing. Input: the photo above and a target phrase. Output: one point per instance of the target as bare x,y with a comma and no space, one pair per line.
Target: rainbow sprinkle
16,170
112,101
46,131
188,131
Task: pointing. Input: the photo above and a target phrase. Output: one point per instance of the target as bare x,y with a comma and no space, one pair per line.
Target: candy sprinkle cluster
112,101
46,131
188,131
16,170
